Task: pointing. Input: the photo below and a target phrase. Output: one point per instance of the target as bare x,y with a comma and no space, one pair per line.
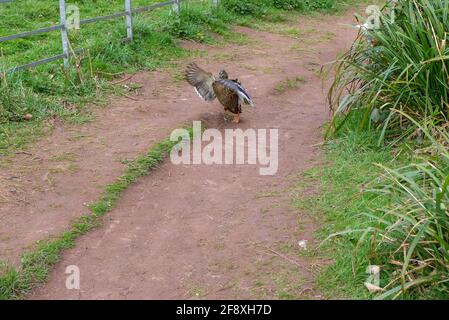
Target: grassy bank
385,192
381,206
342,185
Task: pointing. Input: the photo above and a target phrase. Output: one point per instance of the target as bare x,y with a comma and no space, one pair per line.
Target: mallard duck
229,92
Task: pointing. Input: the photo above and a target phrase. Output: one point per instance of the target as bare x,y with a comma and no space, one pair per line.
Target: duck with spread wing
230,93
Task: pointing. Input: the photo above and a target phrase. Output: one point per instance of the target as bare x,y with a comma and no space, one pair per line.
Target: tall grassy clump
385,206
16,101
410,236
406,68
396,86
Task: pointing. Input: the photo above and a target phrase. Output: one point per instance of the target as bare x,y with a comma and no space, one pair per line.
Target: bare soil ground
183,231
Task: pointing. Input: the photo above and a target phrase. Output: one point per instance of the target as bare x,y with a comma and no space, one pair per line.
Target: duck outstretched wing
201,80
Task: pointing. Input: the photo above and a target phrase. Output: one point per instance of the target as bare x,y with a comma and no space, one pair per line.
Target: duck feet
237,118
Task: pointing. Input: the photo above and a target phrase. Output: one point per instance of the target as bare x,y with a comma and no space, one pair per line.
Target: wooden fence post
65,39
129,20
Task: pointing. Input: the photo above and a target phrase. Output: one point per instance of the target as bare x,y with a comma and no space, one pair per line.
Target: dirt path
183,231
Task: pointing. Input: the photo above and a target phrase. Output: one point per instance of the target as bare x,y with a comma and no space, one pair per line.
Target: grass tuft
404,66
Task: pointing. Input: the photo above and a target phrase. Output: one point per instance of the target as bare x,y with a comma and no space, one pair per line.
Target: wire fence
65,25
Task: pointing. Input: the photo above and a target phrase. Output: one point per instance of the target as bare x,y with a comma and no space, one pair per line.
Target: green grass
411,234
36,264
290,84
341,183
384,206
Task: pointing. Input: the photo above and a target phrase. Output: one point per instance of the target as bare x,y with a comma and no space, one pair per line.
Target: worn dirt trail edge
187,231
